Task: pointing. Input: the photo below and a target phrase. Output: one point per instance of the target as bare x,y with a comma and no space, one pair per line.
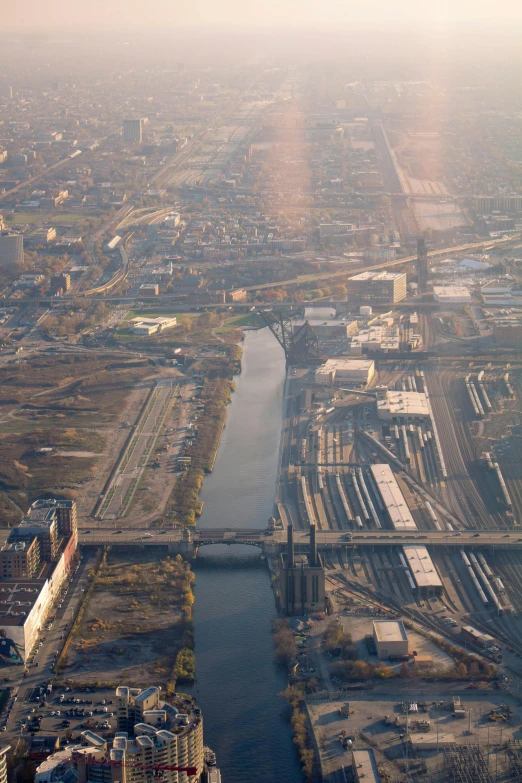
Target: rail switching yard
424,445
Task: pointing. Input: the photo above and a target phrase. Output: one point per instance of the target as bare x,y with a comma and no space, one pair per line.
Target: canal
245,720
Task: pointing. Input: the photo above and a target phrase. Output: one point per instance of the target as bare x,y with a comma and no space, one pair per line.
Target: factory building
150,326
377,287
357,372
376,338
451,294
302,578
403,406
391,639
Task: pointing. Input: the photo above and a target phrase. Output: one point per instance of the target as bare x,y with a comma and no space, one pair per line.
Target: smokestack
313,546
290,553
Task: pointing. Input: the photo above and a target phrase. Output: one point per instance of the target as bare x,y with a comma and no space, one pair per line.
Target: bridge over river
188,542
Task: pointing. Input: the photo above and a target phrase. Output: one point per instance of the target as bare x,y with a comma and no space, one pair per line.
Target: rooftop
17,598
421,566
346,364
393,498
365,766
404,403
377,275
390,631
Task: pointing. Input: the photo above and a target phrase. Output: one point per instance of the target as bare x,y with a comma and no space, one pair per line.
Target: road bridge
188,542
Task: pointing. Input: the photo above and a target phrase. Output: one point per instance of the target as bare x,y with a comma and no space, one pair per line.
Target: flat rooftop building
377,287
403,406
391,639
451,294
355,371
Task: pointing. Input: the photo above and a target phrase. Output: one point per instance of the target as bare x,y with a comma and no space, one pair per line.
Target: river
245,720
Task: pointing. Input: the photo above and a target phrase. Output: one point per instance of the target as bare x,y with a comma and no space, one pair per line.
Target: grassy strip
61,661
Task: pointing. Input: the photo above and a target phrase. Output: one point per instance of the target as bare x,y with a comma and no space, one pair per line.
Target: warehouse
451,294
376,338
432,740
391,639
403,406
396,507
423,570
358,372
150,326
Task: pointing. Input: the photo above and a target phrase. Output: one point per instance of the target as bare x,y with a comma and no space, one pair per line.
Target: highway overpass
178,540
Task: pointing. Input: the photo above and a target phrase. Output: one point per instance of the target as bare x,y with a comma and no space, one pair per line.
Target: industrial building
479,639
149,290
358,372
451,294
377,287
150,326
403,406
11,248
364,766
393,500
423,571
376,338
391,639
132,130
302,578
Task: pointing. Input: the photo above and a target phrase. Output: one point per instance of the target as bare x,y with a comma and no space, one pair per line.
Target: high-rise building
60,283
377,287
302,578
132,130
11,248
422,265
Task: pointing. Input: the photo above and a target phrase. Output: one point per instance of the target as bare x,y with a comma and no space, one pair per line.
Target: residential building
11,248
377,287
19,559
60,283
132,130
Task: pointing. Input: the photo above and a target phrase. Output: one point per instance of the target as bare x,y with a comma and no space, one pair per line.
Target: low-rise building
149,290
357,372
451,294
150,326
391,639
403,406
364,766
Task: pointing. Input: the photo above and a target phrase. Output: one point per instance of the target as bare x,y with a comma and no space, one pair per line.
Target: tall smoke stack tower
313,546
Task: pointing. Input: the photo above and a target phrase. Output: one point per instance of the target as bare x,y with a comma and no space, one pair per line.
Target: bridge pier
186,547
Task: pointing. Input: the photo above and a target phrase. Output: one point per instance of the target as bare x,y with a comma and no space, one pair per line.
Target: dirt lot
136,620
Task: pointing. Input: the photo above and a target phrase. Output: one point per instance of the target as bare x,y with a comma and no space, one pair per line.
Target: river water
245,720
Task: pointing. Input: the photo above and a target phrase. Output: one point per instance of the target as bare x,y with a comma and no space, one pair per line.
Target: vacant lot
137,619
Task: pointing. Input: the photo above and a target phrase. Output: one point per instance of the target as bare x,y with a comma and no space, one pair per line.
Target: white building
150,326
376,338
391,639
358,372
393,500
402,406
451,294
423,570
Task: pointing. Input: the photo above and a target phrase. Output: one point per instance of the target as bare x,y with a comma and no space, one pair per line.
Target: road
40,669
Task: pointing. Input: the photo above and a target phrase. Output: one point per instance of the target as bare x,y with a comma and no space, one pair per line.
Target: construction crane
300,343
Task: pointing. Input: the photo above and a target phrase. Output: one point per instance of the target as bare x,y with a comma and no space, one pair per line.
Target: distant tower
422,265
132,130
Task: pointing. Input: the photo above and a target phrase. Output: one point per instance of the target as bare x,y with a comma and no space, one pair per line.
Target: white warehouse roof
390,631
421,566
403,403
393,498
455,294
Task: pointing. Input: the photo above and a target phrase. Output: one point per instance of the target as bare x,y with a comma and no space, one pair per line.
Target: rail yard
423,446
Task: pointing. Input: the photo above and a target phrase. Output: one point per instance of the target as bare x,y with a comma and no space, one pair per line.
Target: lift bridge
300,343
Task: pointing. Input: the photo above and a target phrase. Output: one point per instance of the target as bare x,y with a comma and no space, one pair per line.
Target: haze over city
260,392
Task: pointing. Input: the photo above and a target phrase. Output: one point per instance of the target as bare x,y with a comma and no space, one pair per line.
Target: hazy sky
48,14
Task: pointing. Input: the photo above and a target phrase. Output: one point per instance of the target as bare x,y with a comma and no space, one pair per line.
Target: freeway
475,538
